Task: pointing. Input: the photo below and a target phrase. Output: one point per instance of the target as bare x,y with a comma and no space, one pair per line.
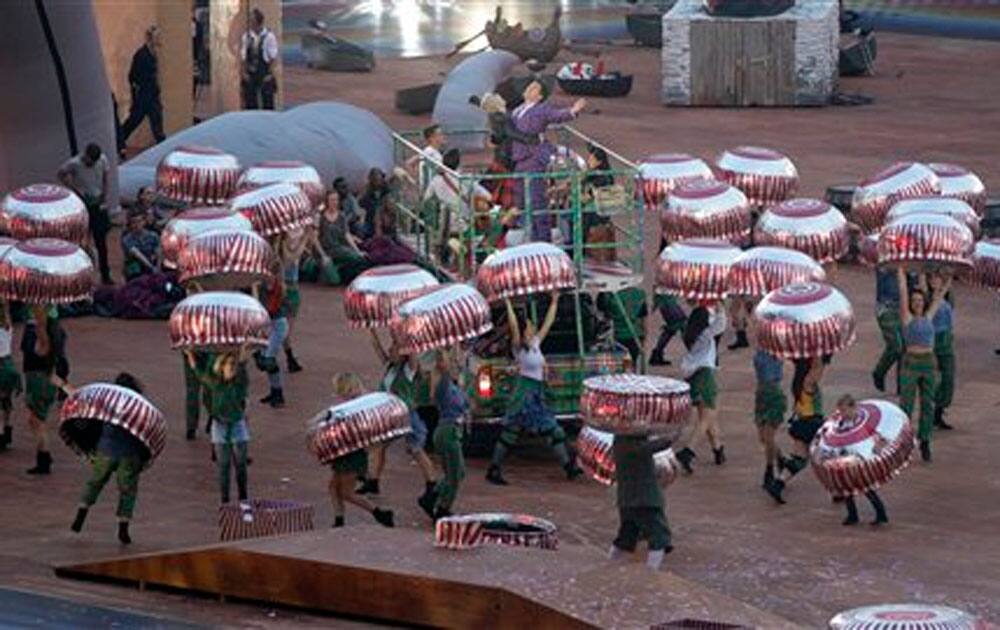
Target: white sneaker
615,553
655,559
246,512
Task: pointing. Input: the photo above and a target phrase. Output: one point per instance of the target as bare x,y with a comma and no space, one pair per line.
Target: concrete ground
933,102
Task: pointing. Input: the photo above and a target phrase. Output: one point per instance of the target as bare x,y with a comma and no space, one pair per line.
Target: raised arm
904,296
515,330
383,356
938,297
550,317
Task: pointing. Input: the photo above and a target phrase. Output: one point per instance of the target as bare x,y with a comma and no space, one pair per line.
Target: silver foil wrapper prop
197,175
274,209
514,530
356,424
218,321
285,172
525,269
706,209
804,320
635,404
761,270
907,617
852,456
944,206
958,182
662,173
458,532
44,211
6,243
373,298
765,176
593,453
193,222
925,238
225,260
986,264
87,409
868,250
876,195
46,271
696,269
441,317
810,226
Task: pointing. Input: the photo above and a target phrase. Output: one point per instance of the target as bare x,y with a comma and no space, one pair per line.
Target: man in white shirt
87,175
454,194
430,156
258,50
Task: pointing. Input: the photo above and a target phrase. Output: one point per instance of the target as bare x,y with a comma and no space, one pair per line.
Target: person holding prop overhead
639,498
453,410
698,369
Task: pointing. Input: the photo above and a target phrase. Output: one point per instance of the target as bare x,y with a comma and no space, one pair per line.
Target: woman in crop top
918,366
698,369
526,410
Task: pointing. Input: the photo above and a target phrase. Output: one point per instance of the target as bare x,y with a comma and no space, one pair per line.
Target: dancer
10,378
944,352
805,423
526,410
674,319
404,379
917,372
346,468
43,345
769,407
739,314
698,369
118,453
887,295
267,360
453,410
196,395
227,381
846,412
293,245
640,500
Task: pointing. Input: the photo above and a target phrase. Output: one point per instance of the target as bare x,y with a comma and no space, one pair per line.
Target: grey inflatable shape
339,140
34,139
476,75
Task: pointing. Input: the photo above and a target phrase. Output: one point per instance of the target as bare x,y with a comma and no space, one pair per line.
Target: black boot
925,450
81,516
441,513
293,365
338,521
720,455
368,486
685,456
43,464
190,435
878,380
427,500
939,421
7,438
881,518
852,512
768,476
276,398
775,489
494,476
383,517
572,470
656,358
123,536
740,342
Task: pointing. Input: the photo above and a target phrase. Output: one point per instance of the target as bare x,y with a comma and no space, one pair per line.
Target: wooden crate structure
780,61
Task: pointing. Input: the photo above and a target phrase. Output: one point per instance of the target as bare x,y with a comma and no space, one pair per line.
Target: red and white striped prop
706,209
285,172
804,320
761,270
958,182
44,211
225,260
6,243
197,175
986,264
193,222
274,209
271,517
441,317
525,269
876,195
811,226
926,238
635,404
854,454
944,206
46,271
907,616
373,298
765,176
517,530
356,424
696,269
868,250
458,532
87,409
662,173
593,453
218,320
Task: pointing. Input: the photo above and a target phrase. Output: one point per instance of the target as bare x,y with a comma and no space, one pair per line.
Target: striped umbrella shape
944,206
706,209
225,259
959,182
760,270
373,298
907,617
274,209
287,172
517,530
218,320
458,532
765,176
875,195
662,173
44,211
525,269
356,424
197,175
925,238
635,404
696,269
46,271
593,453
193,222
986,264
804,320
441,317
810,226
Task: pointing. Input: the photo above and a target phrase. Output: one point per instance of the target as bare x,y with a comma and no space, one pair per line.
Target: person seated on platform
384,247
337,245
597,228
140,246
373,200
450,196
159,209
847,410
640,500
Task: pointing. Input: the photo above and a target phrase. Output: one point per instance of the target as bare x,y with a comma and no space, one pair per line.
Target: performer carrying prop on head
640,500
944,351
10,378
43,344
698,369
769,407
453,410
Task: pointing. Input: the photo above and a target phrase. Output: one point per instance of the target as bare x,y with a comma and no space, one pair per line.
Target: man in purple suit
534,117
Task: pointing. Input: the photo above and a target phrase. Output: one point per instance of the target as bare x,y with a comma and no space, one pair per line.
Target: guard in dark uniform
144,79
260,48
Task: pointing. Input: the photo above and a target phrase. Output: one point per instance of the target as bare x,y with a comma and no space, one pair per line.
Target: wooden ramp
398,576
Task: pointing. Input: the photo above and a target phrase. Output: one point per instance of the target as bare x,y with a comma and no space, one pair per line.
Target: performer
503,134
227,381
277,307
674,320
118,453
346,468
944,352
404,379
846,409
917,371
144,80
533,117
258,50
293,245
739,314
640,500
195,394
769,407
718,322
627,313
10,378
43,344
698,369
887,292
453,410
526,410
805,423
